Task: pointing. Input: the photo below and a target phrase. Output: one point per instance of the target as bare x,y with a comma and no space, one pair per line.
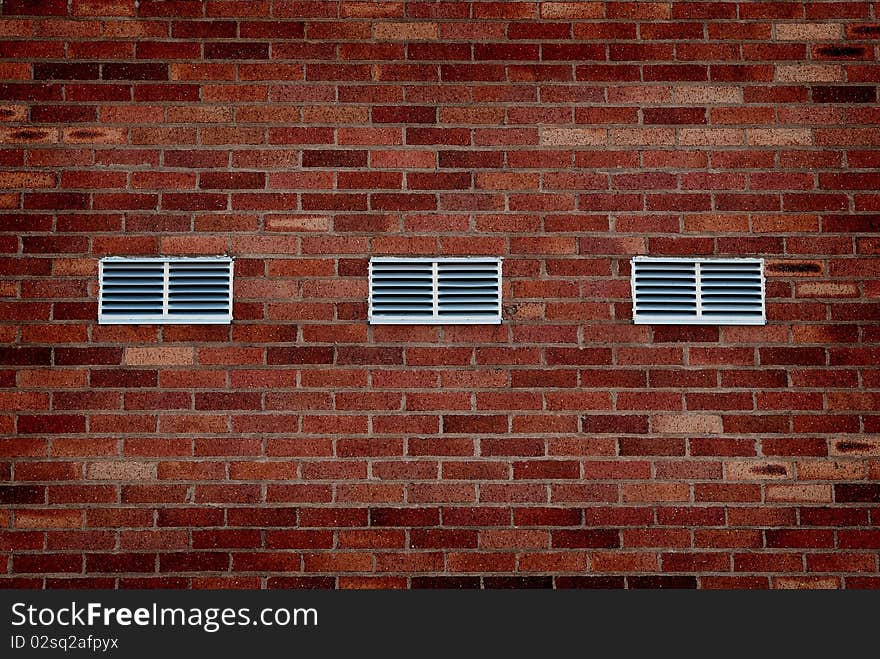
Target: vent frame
753,313
163,271
429,280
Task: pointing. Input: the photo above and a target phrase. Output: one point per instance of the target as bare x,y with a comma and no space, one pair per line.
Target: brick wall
302,447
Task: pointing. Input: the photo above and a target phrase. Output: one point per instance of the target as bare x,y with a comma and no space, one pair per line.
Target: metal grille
170,290
435,291
675,291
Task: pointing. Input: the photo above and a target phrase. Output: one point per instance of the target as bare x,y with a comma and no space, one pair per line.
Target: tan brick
795,493
121,471
753,470
703,95
405,31
643,136
809,73
808,31
858,445
827,289
779,136
709,136
28,135
13,112
297,223
159,356
573,136
572,9
806,583
832,470
697,424
94,135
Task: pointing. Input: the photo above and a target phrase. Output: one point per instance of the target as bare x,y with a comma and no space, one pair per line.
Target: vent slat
435,291
165,290
132,304
427,284
708,291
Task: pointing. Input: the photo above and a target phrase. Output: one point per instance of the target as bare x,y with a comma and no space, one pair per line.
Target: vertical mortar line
166,286
435,289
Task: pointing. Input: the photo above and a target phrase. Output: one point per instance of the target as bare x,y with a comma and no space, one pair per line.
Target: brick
125,471
808,31
405,31
629,424
158,356
844,94
575,10
779,137
808,73
573,136
28,135
65,72
849,493
674,115
688,423
710,136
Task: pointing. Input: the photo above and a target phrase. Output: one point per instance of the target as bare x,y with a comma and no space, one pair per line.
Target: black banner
446,623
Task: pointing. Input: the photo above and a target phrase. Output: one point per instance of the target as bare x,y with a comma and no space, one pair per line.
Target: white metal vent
165,290
462,290
677,291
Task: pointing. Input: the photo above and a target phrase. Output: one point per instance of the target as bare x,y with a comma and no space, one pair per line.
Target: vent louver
678,291
435,291
194,290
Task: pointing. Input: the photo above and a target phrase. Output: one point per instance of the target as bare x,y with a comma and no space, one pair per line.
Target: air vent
435,291
165,291
676,291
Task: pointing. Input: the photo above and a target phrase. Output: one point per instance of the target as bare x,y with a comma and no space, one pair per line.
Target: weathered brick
809,73
158,356
808,31
687,423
